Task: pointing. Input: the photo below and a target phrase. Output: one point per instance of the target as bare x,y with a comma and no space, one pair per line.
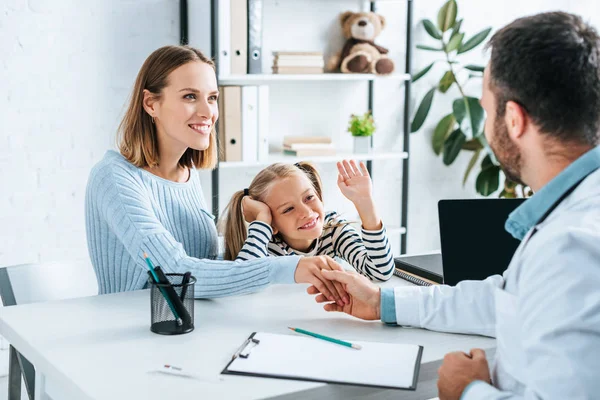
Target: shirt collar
528,214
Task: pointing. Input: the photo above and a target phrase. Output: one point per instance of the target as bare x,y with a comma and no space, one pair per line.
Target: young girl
147,197
284,205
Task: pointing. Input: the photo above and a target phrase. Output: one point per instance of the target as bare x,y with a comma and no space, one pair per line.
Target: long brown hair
234,229
136,137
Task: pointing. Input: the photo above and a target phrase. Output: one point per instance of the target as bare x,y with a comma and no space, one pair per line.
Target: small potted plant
361,128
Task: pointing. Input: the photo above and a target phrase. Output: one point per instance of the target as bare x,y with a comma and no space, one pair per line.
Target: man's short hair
549,63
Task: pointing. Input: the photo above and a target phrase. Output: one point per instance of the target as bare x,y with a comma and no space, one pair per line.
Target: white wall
67,67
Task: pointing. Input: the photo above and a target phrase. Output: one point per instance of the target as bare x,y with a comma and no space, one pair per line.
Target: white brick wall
65,73
66,68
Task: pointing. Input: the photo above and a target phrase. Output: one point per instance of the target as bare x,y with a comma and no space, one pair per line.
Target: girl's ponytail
235,230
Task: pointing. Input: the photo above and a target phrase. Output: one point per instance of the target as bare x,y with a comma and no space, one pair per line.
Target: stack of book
290,62
304,146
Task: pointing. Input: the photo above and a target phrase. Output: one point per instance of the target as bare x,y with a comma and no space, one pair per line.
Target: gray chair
35,283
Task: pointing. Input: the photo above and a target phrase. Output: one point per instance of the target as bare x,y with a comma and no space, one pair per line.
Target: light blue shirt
544,310
130,211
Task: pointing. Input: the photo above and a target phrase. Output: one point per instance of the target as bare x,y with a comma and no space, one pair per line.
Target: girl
284,205
147,197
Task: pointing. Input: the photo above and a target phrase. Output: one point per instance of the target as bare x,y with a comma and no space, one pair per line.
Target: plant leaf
422,111
474,41
456,27
472,145
432,29
447,15
441,132
470,115
422,72
476,68
447,80
454,42
487,162
472,163
452,146
488,181
429,48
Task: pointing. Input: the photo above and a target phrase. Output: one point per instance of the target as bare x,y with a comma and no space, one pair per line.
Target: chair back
34,283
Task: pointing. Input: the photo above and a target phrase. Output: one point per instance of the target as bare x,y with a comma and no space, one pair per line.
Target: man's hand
365,297
460,369
309,270
255,210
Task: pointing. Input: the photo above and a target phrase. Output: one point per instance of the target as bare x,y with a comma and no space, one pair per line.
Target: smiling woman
148,199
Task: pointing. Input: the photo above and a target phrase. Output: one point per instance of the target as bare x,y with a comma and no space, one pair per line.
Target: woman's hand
309,270
355,183
255,210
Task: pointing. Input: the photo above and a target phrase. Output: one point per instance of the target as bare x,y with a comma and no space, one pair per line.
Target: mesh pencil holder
170,300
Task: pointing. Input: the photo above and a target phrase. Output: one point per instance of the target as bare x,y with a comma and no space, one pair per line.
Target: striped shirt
369,252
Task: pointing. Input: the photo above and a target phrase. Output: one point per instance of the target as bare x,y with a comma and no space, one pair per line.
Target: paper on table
297,357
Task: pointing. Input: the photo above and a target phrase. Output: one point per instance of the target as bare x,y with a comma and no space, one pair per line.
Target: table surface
101,347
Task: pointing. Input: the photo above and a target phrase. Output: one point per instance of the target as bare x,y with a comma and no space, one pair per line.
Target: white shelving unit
261,79
282,158
268,78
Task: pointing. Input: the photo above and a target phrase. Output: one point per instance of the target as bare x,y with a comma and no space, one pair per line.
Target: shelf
261,79
279,157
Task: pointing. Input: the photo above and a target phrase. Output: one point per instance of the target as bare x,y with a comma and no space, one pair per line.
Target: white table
101,347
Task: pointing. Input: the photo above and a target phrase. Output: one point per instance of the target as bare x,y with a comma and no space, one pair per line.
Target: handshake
340,290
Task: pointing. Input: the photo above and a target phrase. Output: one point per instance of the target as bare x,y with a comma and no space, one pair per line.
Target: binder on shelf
302,358
250,123
263,123
255,29
221,126
232,108
239,36
224,37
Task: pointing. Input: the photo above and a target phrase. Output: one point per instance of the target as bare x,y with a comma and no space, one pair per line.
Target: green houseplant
462,128
362,127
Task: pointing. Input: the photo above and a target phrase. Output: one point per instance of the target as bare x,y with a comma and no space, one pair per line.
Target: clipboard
380,365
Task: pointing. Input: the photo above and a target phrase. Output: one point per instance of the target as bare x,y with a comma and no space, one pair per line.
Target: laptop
474,244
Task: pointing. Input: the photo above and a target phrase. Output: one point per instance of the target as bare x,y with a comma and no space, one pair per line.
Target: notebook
473,240
422,270
384,365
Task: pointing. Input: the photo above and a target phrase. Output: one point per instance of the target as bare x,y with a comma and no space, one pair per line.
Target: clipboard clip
246,348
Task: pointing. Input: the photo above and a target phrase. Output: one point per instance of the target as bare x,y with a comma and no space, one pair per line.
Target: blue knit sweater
130,211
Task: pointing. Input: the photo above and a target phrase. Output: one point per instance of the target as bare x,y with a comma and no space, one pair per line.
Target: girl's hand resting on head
255,210
354,182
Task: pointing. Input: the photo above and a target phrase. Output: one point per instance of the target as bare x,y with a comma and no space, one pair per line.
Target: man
541,93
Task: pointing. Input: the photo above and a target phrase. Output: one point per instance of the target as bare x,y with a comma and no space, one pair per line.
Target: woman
148,197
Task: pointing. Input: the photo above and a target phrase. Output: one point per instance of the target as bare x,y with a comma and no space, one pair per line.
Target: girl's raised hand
255,210
354,182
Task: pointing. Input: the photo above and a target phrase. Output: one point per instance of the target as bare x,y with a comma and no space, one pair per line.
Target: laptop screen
474,243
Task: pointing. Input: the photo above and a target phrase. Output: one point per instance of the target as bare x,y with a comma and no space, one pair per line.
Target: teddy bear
360,53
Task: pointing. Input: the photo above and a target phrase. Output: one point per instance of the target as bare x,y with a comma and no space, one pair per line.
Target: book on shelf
309,152
298,70
297,53
298,63
289,140
307,146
